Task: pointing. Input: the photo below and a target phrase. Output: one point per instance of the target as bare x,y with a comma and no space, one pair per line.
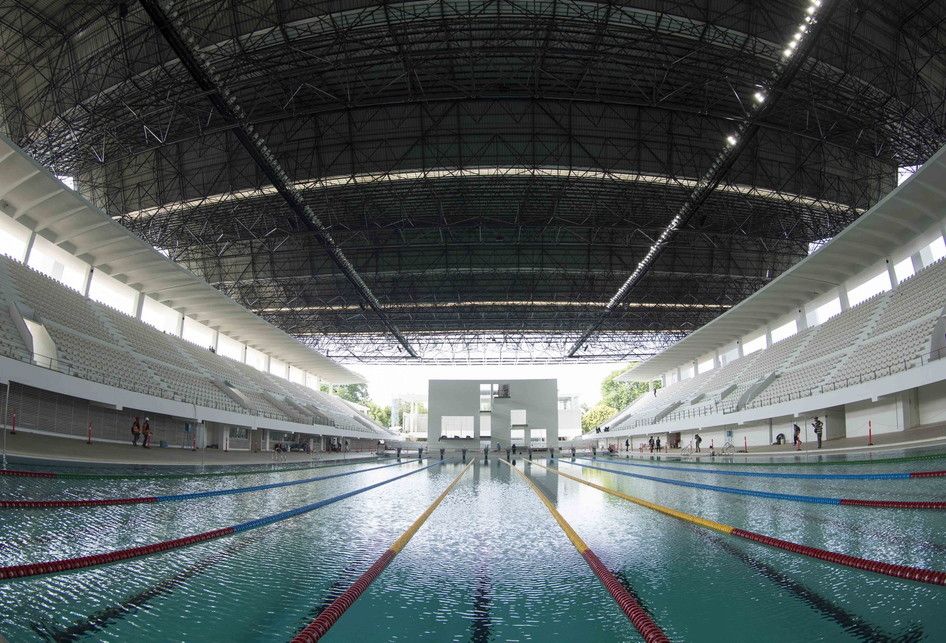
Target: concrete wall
539,398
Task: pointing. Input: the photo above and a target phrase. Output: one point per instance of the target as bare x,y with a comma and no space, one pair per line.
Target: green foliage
619,394
614,397
596,415
380,414
357,393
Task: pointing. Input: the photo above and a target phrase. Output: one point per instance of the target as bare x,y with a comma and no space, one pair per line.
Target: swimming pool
490,564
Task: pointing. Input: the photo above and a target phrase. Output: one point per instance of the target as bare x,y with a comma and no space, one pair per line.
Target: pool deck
932,435
51,448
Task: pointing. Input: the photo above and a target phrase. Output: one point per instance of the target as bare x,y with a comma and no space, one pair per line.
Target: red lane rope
927,474
631,608
33,569
330,615
88,502
895,504
897,571
27,474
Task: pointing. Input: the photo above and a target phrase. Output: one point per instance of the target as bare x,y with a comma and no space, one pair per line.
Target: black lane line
482,625
352,570
109,615
851,623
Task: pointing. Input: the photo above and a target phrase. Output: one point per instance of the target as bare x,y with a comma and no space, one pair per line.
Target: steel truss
493,170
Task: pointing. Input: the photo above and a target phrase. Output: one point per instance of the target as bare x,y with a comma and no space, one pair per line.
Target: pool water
489,565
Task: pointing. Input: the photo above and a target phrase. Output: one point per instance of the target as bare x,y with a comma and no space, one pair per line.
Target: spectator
135,432
818,426
146,432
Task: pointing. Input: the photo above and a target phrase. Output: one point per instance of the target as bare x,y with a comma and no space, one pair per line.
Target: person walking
796,437
818,426
135,432
146,434
698,439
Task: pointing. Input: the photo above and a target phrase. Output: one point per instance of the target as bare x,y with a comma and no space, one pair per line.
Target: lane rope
68,564
808,463
74,475
774,495
906,572
322,623
896,475
177,497
638,616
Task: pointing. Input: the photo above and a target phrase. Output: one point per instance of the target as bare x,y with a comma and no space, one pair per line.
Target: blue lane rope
905,475
818,500
263,487
268,520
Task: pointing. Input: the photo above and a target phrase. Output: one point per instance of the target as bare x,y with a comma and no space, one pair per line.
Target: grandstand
873,366
70,359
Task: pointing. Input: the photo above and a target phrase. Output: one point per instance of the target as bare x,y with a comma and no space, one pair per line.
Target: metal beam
777,83
168,21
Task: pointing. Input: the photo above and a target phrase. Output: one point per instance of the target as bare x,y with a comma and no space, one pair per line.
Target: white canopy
31,195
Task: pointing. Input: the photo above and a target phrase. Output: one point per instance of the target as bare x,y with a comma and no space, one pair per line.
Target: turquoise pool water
490,564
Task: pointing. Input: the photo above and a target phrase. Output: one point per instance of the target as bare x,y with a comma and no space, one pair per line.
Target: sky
386,382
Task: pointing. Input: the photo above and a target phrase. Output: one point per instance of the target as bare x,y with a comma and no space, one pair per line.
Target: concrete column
768,336
842,297
716,360
801,320
29,249
891,273
139,305
180,325
917,262
243,354
739,348
88,281
216,340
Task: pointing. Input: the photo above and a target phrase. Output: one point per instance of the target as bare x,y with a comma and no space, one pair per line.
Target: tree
619,395
596,416
357,393
380,414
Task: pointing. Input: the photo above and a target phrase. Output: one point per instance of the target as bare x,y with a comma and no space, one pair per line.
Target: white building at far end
569,417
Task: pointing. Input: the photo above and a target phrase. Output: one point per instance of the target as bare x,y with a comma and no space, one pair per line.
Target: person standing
146,434
627,445
698,439
135,432
818,426
796,437
651,443
658,444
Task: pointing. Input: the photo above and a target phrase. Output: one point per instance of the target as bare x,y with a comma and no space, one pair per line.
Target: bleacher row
104,345
888,333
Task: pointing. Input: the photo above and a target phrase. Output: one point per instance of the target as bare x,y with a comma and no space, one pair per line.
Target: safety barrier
774,495
72,475
638,616
55,566
817,463
906,572
321,624
897,475
104,502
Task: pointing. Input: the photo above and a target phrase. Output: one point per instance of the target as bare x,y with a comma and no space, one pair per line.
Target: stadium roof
477,181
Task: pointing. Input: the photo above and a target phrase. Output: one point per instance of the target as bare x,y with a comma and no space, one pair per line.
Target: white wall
539,398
